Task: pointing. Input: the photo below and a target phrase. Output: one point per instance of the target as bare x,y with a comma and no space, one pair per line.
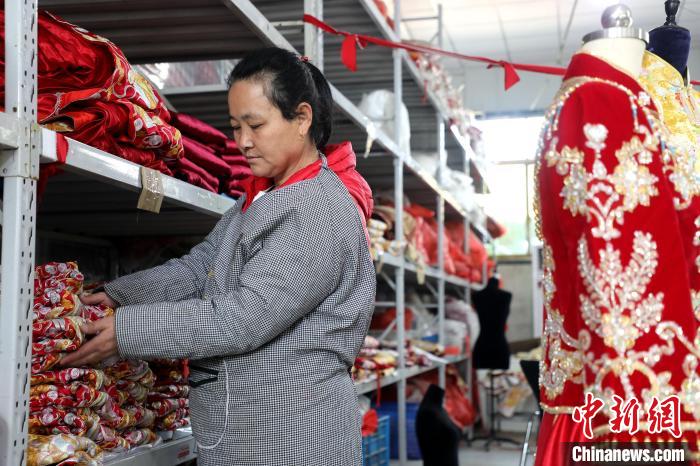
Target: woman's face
273,145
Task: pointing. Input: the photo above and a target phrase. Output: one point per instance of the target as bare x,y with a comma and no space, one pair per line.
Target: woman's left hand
97,349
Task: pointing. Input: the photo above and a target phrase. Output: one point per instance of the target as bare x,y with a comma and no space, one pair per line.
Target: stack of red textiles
168,399
90,92
472,265
421,233
212,161
125,411
64,401
240,170
104,405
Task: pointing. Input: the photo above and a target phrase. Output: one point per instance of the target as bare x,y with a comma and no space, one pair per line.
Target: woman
272,308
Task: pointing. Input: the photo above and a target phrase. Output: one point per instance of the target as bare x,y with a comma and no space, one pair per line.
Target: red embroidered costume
618,213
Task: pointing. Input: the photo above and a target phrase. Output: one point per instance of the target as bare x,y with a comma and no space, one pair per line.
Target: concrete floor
476,456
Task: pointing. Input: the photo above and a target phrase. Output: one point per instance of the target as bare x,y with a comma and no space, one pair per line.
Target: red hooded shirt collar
341,160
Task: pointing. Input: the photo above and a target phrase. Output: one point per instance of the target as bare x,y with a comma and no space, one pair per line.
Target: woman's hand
99,348
97,299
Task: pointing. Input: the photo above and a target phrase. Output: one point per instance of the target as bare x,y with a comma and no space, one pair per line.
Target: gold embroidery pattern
617,305
619,291
563,365
680,113
631,180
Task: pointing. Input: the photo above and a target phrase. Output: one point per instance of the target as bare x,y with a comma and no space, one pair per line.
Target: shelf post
19,169
398,226
313,36
442,169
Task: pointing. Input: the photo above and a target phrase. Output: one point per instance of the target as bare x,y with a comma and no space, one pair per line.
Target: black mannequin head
435,394
494,282
670,41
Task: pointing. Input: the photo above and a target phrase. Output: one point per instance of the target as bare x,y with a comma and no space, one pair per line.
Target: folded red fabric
87,88
74,395
65,327
164,407
53,420
188,165
194,179
197,129
235,160
231,148
92,377
205,158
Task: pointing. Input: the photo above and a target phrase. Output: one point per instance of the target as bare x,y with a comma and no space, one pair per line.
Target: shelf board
88,161
371,385
395,261
169,453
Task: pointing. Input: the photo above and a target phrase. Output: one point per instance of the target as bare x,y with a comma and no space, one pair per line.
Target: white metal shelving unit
97,183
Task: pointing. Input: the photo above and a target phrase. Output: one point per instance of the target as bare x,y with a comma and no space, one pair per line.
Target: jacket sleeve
611,238
295,268
177,279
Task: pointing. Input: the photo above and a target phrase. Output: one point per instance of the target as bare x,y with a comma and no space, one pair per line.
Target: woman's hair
289,80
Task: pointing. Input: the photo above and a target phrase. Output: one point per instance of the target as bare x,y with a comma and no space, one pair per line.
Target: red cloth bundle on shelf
495,229
107,405
139,437
90,92
236,161
206,158
213,161
478,257
164,407
65,327
196,129
74,395
194,174
62,450
52,304
231,148
52,420
168,398
94,378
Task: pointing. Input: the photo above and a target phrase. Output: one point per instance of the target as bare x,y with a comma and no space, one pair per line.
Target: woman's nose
245,139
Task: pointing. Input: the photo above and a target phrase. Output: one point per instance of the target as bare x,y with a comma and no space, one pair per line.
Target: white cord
223,431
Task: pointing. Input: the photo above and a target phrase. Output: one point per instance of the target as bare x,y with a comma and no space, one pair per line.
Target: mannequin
493,306
670,41
618,43
438,437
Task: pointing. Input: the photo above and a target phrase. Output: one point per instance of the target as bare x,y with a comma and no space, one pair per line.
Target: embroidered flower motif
614,293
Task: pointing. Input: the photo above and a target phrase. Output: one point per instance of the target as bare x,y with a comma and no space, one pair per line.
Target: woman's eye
236,128
256,126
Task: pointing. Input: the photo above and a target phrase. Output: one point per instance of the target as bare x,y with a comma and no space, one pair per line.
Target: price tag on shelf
151,196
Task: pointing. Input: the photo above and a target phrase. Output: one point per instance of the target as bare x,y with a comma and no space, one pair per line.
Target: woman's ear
304,117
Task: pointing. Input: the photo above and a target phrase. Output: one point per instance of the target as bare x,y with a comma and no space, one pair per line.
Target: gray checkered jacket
271,309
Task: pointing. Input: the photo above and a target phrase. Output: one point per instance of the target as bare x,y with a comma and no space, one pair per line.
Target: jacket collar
587,65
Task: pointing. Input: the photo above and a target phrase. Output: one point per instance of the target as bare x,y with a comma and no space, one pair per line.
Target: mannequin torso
672,43
623,53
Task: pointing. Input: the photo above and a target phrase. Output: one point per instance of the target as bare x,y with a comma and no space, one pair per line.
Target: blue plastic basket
412,447
375,447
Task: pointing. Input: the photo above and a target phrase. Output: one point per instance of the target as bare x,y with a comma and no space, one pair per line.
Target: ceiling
525,31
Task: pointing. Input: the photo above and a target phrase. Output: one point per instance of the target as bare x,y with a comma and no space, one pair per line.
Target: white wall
517,278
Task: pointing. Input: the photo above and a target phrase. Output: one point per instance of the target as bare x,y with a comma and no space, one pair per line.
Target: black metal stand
493,436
